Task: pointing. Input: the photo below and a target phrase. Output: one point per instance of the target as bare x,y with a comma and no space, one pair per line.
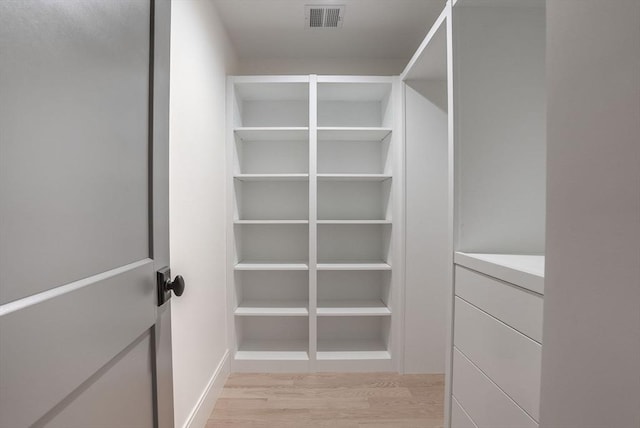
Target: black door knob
177,285
164,285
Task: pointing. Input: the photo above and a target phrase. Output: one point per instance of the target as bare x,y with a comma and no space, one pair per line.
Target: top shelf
526,271
352,133
430,60
281,133
301,133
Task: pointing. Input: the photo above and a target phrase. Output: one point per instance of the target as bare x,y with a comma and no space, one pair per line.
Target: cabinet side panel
591,354
427,233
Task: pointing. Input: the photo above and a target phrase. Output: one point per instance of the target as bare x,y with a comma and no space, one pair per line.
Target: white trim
313,222
230,253
354,79
202,410
452,215
270,79
399,232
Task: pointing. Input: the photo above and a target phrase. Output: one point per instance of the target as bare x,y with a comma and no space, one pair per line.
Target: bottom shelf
354,266
353,350
292,350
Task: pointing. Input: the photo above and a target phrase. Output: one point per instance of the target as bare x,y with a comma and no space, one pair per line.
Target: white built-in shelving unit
312,226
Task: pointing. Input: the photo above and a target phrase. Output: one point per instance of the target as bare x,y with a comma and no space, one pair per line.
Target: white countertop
526,271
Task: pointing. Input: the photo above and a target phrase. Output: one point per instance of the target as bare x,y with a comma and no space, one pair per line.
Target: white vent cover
323,16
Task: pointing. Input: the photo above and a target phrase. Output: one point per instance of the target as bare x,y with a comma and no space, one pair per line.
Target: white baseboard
203,408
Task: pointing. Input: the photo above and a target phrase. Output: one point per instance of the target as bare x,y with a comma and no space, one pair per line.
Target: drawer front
516,307
484,402
507,357
459,419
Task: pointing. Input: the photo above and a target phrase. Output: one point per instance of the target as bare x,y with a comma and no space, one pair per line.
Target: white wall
201,56
330,66
591,352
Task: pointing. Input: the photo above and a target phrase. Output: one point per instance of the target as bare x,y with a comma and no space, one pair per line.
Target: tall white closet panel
480,74
499,141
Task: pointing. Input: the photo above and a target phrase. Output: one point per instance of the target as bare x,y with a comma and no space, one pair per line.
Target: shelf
273,134
336,308
352,134
378,265
354,222
273,350
526,271
272,177
272,308
271,222
352,350
429,63
261,265
354,177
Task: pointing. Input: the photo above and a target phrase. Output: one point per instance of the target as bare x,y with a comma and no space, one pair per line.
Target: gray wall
591,353
499,84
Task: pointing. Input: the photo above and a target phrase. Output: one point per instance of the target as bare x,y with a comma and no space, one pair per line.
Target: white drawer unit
507,357
482,400
516,307
459,417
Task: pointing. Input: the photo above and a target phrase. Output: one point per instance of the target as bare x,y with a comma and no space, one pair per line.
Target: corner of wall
202,56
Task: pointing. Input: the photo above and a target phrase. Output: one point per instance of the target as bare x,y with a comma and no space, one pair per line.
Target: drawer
459,418
514,306
482,400
507,357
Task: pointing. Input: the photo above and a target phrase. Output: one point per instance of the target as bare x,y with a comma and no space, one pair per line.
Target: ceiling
372,29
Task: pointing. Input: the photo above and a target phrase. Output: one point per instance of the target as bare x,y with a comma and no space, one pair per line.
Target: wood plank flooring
344,400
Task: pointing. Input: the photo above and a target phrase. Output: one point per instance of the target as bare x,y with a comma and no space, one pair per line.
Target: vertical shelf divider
313,220
231,258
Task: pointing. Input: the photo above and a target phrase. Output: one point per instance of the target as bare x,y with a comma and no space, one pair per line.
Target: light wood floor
345,400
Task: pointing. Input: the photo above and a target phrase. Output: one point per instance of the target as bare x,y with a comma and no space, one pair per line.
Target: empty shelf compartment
354,200
272,338
354,243
354,104
272,243
349,338
271,200
271,104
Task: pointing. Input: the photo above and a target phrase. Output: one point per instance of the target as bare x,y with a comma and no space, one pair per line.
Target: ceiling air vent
325,16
